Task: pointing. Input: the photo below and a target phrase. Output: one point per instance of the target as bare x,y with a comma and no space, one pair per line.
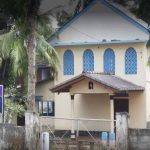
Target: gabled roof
125,14
111,81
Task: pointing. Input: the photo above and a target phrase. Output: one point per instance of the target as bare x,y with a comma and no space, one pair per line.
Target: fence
139,139
93,134
12,137
67,134
88,133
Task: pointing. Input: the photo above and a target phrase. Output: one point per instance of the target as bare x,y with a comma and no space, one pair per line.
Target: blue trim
127,17
106,3
96,43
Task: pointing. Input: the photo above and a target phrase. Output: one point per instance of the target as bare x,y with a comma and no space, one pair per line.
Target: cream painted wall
119,49
83,88
86,106
147,87
43,89
137,110
148,101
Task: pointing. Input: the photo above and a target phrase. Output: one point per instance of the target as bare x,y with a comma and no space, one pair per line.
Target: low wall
139,139
12,137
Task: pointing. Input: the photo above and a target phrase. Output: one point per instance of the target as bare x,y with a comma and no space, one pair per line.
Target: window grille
88,60
109,61
130,61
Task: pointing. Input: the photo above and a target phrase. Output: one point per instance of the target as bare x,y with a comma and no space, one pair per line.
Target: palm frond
43,26
48,53
6,44
19,55
1,61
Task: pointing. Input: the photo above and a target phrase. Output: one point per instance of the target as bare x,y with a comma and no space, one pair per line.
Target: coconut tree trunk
31,48
31,118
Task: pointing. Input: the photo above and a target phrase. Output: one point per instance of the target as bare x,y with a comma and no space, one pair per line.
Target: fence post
122,130
45,141
31,131
77,131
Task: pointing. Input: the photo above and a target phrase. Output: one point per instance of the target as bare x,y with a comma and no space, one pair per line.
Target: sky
53,5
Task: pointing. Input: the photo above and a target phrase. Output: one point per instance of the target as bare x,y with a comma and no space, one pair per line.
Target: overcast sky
51,4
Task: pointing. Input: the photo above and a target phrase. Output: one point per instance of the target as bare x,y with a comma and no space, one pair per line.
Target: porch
86,138
93,96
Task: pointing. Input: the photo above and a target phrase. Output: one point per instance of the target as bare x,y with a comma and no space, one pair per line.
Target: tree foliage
14,44
12,110
25,40
144,10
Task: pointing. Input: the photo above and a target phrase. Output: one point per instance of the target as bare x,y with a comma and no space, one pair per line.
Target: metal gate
89,134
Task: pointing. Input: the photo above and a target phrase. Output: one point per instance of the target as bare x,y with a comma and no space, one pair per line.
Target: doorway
121,105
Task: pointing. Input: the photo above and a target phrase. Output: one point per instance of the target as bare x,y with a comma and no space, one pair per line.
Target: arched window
68,62
109,61
131,61
88,60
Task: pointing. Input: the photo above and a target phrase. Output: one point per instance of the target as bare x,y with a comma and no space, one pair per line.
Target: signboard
1,98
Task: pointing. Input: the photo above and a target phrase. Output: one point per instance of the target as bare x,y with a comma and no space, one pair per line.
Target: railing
78,124
83,130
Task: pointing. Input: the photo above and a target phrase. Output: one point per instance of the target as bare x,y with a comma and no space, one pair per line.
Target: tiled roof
111,81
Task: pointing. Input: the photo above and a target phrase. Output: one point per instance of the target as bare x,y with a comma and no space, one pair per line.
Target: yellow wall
137,102
97,106
83,88
98,51
148,100
43,89
137,110
86,106
147,88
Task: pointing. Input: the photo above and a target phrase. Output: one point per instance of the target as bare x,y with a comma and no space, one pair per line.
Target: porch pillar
72,116
112,112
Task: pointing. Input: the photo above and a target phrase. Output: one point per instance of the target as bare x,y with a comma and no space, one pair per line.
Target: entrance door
121,105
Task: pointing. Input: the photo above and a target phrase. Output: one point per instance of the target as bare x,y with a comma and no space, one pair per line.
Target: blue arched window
109,61
88,60
68,62
131,61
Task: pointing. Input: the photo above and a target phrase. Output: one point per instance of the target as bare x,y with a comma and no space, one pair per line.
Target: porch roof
108,80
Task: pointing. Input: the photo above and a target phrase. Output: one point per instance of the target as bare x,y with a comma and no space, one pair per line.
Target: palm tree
29,30
27,35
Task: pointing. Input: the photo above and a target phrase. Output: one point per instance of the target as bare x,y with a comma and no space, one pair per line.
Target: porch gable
89,82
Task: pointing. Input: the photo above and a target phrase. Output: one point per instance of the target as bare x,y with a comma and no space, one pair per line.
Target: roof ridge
93,72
